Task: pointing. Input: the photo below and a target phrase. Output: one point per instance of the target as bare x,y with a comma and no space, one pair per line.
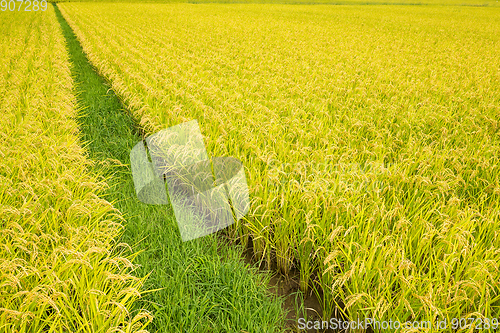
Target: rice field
60,265
370,137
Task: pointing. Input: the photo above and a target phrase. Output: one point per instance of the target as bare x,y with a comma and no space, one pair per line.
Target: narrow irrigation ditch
205,285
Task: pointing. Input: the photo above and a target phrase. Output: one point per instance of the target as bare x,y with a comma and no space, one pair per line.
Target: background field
369,134
472,3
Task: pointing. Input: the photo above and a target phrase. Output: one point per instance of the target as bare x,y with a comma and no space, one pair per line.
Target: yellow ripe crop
58,268
370,135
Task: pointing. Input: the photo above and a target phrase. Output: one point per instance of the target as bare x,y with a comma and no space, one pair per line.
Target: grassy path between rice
197,286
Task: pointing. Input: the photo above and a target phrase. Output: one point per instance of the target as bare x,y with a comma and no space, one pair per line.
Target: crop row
60,267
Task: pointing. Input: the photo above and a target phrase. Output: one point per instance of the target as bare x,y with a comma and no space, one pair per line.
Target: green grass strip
197,286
